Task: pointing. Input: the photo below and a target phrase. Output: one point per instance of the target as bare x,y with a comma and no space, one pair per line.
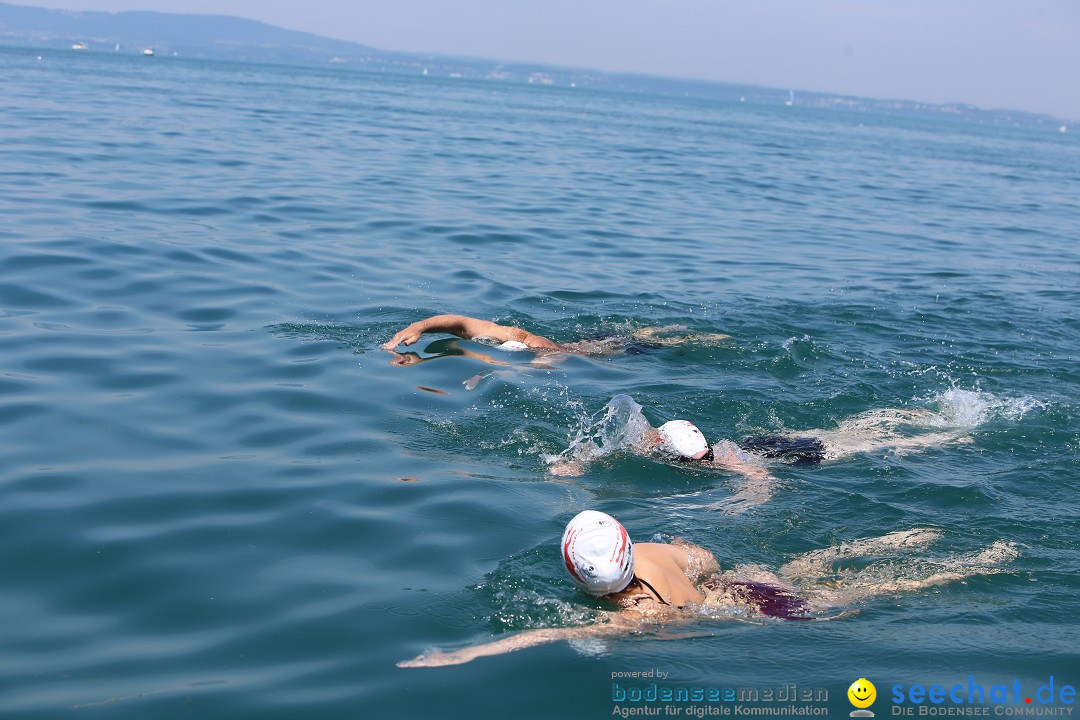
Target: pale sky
1015,54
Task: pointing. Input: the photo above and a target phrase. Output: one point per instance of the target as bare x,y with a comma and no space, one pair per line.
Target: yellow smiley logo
862,693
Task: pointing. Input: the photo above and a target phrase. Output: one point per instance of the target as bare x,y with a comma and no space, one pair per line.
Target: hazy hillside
231,38
216,36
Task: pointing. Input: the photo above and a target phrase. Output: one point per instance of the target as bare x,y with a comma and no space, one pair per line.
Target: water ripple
219,497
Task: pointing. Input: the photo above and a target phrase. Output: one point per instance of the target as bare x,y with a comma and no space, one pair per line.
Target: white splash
790,342
620,425
970,408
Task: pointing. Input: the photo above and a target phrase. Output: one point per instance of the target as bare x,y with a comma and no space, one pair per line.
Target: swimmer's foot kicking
652,584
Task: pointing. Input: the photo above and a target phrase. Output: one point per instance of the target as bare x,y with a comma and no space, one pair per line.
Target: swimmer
682,442
653,584
512,338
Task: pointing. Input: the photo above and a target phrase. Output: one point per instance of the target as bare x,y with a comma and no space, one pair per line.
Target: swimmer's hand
407,336
438,659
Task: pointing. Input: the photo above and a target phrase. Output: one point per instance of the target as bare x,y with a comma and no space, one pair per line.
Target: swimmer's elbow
538,341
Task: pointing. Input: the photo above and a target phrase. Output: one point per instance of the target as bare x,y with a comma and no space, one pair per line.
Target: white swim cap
681,437
598,553
513,345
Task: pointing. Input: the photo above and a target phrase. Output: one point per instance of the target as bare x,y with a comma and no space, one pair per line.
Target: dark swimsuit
768,600
792,450
632,347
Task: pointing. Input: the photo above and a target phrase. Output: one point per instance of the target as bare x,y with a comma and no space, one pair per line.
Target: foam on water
962,408
525,609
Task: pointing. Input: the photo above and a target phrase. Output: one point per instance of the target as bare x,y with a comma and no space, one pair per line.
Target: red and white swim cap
598,553
682,438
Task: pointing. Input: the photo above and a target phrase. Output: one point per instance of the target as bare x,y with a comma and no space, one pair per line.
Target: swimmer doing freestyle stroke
658,584
625,427
512,338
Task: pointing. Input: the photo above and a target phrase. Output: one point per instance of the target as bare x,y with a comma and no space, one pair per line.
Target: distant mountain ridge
225,37
219,36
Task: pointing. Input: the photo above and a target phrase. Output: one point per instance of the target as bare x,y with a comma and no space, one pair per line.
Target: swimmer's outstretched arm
730,462
620,623
728,456
467,328
759,484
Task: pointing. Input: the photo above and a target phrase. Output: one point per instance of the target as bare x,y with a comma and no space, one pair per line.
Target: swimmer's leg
654,334
853,437
648,333
999,552
817,563
950,437
887,578
877,581
888,418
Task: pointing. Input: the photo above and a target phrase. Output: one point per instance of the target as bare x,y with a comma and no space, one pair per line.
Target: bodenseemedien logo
862,694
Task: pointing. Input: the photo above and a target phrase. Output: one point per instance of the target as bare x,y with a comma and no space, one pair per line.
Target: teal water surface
220,499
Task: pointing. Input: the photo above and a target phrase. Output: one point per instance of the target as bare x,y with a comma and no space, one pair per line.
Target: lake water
219,499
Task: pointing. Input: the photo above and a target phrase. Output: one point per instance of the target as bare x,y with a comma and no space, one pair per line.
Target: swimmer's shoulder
686,556
699,561
660,552
665,568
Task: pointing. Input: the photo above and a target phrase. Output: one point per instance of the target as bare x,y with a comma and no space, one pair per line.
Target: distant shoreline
225,38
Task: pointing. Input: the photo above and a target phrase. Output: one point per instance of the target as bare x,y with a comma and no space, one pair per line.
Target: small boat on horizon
148,52
80,46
